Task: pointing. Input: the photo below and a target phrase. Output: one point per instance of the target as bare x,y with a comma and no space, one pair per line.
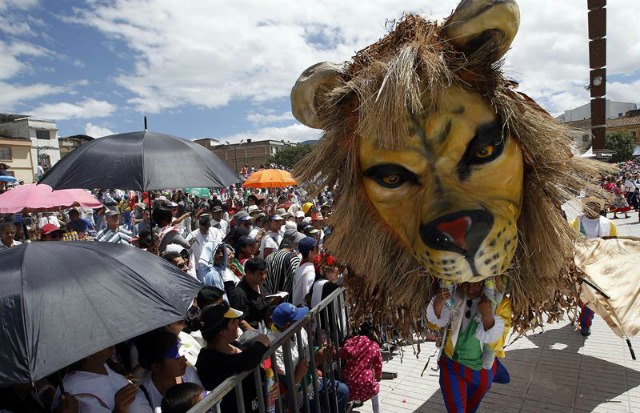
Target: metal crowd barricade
327,322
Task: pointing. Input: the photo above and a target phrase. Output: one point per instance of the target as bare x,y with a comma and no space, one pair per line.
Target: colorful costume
463,380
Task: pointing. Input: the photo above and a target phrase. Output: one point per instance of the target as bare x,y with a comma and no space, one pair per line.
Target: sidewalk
557,370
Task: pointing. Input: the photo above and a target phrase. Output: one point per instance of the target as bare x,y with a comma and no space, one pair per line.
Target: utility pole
598,71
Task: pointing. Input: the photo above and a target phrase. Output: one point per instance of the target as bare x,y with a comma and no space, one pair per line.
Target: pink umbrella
40,198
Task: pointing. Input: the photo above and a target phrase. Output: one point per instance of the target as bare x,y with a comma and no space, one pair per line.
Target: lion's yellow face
453,193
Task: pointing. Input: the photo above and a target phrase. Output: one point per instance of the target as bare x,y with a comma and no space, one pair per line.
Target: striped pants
586,316
463,388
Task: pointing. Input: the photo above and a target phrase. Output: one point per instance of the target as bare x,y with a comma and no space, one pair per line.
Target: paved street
554,370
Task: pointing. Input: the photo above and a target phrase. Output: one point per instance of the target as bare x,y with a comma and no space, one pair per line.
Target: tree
622,145
289,155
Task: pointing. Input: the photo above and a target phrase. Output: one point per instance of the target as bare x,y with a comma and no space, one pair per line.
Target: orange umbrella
269,178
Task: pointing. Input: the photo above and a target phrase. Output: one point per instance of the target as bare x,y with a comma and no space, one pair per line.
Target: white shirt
271,240
200,239
190,376
224,226
302,282
96,392
14,243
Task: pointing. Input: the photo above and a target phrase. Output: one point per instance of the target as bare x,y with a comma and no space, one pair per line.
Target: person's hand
442,296
276,300
302,368
274,393
124,397
68,404
484,308
323,353
264,340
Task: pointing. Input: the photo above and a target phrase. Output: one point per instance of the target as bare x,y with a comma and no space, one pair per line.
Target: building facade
250,153
15,155
43,135
613,110
70,143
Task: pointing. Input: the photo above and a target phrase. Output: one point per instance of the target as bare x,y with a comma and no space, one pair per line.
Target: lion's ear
310,92
490,25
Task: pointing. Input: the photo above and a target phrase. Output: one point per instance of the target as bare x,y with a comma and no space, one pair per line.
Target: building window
43,134
5,153
44,161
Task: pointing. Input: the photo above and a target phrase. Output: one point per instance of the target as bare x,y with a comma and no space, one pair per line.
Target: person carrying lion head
444,169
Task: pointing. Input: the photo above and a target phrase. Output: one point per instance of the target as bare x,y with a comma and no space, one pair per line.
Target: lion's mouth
461,232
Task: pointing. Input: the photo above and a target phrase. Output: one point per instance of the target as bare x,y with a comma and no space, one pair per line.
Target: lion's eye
484,152
391,179
391,176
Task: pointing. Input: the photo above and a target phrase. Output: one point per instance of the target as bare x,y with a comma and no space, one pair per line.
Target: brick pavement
555,370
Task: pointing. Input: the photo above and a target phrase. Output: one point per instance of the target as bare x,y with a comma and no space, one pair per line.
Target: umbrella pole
633,353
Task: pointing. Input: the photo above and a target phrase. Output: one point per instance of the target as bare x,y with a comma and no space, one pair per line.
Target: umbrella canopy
140,161
612,265
199,192
8,178
39,198
269,178
63,301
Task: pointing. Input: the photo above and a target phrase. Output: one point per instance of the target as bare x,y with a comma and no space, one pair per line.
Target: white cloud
14,94
10,23
96,131
256,50
291,133
12,62
267,118
88,108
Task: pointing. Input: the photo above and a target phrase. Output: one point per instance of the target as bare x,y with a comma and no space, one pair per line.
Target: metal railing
327,321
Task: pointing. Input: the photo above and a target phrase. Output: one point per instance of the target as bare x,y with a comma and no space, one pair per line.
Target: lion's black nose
460,232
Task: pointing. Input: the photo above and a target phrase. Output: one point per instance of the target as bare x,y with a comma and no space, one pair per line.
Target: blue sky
224,69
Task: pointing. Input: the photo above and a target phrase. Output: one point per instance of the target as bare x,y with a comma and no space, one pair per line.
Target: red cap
49,228
317,217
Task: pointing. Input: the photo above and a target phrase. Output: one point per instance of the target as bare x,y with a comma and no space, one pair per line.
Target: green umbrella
199,192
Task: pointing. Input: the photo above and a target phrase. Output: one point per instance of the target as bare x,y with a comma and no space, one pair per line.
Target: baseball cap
275,217
306,244
306,220
286,312
212,316
240,215
49,228
141,205
294,235
317,217
111,212
299,214
204,220
171,204
217,209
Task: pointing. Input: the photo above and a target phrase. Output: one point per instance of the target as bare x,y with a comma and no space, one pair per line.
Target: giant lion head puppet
443,170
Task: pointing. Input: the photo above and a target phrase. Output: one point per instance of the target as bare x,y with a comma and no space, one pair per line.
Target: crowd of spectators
260,257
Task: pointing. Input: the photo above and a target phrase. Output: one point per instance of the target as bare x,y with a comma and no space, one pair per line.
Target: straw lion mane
443,169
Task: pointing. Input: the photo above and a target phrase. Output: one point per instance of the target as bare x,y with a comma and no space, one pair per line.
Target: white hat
307,220
299,214
290,225
253,209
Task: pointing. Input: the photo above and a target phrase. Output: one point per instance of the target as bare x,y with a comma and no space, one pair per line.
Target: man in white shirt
7,235
271,241
306,272
205,233
217,222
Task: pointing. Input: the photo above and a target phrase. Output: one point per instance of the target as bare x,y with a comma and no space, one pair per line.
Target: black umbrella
140,161
63,301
